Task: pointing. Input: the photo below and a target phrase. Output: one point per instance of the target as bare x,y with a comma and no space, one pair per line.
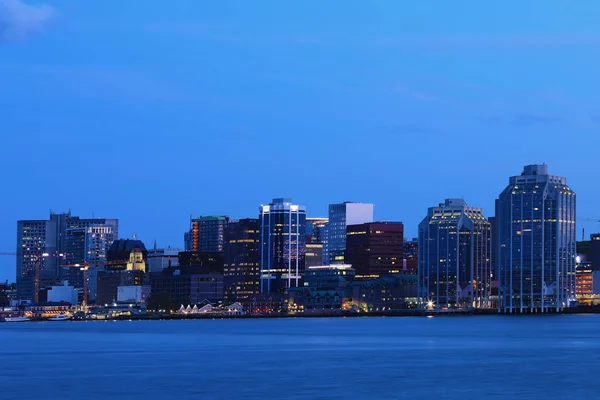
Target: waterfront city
521,259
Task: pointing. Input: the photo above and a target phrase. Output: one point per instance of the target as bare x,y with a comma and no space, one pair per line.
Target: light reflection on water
323,358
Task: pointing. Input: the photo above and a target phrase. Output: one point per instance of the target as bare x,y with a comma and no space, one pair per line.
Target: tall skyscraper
535,219
206,234
454,257
282,245
375,248
63,239
241,259
340,216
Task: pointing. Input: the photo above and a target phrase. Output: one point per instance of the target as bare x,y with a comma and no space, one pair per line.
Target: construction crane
84,266
38,258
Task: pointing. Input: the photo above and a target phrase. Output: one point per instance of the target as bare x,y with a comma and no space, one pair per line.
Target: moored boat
20,318
60,317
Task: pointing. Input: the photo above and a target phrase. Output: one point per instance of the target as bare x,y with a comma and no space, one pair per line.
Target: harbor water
448,357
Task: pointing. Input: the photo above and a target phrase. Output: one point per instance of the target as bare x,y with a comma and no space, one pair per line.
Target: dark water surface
554,357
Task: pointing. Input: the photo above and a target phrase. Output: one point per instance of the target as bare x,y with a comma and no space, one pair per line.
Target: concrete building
63,294
340,216
454,257
241,270
536,216
375,248
282,245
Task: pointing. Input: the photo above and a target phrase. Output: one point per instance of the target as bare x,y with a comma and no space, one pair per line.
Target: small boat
60,317
20,318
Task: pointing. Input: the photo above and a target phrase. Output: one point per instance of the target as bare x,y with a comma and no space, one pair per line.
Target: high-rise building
282,245
206,234
315,241
536,242
340,216
375,248
411,256
241,259
61,240
314,229
454,257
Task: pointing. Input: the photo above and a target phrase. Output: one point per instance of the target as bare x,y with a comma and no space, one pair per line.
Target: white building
64,293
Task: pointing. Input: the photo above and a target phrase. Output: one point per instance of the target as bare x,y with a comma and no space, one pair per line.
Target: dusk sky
149,111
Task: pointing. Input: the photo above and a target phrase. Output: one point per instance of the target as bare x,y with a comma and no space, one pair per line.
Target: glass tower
454,257
535,217
282,245
340,216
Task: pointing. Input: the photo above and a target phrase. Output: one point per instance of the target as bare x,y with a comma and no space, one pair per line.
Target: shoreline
398,313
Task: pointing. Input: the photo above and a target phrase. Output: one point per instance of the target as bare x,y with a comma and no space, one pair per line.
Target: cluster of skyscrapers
523,259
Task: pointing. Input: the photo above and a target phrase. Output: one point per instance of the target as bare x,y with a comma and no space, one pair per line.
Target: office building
314,255
589,250
454,257
282,245
161,258
185,285
410,263
535,219
241,271
375,248
340,216
49,245
206,234
314,229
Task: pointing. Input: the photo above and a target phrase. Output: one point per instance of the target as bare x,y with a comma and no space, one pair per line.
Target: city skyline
122,128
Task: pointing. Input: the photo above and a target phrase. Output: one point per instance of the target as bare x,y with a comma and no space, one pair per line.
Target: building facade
454,257
161,258
207,234
535,219
50,246
410,263
282,245
340,216
314,255
241,271
375,248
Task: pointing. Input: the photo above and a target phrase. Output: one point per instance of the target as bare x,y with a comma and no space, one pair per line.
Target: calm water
350,358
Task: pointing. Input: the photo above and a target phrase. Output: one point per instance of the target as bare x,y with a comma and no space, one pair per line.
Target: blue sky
151,111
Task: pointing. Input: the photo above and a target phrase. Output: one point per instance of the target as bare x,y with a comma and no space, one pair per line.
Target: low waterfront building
384,294
188,284
63,294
